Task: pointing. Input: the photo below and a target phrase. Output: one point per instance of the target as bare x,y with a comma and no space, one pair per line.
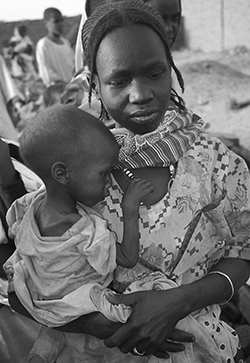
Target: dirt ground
213,82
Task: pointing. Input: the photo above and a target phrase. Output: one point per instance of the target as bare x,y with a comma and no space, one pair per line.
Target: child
63,247
22,49
170,11
52,94
55,57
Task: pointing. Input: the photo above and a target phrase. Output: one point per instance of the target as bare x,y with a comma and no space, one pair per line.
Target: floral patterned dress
208,174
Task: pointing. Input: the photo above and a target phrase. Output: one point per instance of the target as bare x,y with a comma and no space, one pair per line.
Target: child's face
170,11
90,178
54,24
134,77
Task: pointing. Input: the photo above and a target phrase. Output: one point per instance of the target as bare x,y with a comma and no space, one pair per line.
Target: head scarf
161,147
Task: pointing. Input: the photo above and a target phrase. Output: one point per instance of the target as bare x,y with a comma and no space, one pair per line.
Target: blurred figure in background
52,94
170,11
54,55
11,102
22,54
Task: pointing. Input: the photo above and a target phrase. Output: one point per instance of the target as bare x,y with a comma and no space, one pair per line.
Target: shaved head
60,133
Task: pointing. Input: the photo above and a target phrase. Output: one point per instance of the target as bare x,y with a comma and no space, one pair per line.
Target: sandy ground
212,82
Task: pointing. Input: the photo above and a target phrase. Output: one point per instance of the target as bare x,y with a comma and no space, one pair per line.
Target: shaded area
17,335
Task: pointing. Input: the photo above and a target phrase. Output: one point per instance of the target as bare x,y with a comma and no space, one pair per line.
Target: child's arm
128,250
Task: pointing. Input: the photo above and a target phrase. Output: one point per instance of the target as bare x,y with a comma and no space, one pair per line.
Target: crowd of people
135,230
35,70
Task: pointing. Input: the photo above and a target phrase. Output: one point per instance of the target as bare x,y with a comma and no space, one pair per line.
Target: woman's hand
151,326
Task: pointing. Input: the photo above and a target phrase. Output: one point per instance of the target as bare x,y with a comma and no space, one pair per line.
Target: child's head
22,30
70,149
134,81
53,21
170,11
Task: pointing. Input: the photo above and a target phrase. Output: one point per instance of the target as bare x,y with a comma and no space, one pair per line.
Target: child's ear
59,172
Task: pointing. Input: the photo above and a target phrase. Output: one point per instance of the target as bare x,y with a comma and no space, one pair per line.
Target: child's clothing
55,61
53,276
22,56
58,279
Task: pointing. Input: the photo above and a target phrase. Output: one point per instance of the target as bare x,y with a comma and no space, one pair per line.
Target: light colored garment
203,172
53,346
55,61
53,276
8,91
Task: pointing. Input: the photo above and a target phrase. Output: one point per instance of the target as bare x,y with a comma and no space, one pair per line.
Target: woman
194,226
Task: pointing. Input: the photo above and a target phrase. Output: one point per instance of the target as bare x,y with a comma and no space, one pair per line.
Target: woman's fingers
145,329
181,336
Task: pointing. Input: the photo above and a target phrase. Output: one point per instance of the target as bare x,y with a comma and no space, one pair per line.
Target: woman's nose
139,92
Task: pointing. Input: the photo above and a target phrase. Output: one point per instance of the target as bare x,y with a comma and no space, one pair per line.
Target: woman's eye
157,74
118,82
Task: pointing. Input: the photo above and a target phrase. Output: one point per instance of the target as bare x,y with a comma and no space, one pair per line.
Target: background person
11,102
22,55
54,55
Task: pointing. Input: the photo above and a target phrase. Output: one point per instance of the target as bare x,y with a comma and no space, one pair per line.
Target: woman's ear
59,172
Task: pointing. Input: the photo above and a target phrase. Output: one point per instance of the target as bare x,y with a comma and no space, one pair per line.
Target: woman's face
134,77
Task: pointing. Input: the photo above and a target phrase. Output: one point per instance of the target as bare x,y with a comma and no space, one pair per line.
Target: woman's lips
144,116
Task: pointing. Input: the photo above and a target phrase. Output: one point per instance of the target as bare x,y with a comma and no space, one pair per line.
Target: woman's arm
156,313
93,324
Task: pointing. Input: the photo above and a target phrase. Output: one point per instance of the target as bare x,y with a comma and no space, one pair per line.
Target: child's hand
137,191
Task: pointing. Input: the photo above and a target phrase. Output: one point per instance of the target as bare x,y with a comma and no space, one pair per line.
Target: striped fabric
161,147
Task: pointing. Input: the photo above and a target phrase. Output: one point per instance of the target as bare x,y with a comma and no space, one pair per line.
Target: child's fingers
139,189
143,184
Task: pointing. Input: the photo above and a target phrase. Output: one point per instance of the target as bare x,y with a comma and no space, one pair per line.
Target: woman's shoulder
207,141
208,149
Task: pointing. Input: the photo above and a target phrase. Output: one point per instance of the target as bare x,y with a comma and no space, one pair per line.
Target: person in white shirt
54,55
